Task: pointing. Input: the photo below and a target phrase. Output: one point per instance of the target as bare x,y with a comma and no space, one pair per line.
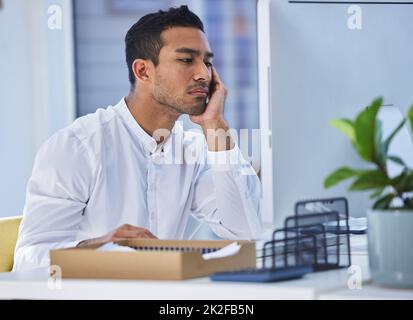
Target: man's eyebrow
208,54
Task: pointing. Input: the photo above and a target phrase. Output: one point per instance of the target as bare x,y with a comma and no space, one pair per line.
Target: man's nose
202,72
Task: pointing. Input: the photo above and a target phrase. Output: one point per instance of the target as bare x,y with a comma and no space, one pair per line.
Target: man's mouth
199,92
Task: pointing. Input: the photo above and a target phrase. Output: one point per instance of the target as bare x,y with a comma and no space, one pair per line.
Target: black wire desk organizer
313,239
310,241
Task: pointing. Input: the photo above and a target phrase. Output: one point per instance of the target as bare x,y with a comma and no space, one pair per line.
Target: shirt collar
147,141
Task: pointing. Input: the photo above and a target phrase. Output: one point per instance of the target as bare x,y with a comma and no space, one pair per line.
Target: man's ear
140,69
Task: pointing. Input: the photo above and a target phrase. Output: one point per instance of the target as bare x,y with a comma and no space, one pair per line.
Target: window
101,72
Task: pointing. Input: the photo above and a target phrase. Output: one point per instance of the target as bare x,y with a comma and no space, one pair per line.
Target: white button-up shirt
104,170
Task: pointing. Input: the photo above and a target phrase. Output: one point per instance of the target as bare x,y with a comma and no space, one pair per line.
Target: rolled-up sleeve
227,196
56,195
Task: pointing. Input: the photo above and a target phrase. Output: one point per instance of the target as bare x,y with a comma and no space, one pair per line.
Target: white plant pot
390,246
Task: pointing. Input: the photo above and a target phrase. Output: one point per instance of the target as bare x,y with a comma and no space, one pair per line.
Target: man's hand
212,120
215,108
125,231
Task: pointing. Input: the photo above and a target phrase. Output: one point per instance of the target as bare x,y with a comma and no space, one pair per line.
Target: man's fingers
127,226
134,233
150,235
215,76
219,85
133,228
126,231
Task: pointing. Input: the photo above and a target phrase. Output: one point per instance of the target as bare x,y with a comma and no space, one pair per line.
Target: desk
34,285
322,285
369,291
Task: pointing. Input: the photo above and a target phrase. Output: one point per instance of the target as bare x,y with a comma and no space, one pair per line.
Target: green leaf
339,175
380,151
384,202
377,193
392,135
410,117
365,128
397,160
370,179
346,126
403,182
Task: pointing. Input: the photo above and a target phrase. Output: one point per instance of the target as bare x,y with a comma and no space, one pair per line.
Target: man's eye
208,64
186,60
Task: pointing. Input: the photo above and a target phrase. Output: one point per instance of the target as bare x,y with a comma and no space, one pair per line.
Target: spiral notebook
207,252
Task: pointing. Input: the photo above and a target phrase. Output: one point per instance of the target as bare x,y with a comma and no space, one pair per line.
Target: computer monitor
318,62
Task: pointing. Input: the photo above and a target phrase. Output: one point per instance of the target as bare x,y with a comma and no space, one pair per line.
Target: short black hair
143,39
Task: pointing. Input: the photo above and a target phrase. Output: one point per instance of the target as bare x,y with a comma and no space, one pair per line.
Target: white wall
36,90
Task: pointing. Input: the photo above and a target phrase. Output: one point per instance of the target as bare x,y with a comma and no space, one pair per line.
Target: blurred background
62,59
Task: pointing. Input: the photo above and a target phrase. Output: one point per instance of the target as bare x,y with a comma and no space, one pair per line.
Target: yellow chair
9,230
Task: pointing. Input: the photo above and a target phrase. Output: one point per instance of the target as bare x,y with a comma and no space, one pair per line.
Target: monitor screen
327,61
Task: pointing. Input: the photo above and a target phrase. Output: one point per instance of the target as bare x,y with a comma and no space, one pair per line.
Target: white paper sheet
226,251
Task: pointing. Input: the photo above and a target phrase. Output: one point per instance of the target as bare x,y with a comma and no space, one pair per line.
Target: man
109,175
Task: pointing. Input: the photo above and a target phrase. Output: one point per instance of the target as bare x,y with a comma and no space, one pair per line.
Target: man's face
183,75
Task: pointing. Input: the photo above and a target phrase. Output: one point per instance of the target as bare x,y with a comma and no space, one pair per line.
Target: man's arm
227,196
228,192
57,192
63,177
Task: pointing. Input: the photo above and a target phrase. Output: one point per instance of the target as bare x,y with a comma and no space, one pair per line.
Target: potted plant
390,220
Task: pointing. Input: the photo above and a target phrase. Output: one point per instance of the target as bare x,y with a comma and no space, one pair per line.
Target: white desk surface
368,291
34,285
324,285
